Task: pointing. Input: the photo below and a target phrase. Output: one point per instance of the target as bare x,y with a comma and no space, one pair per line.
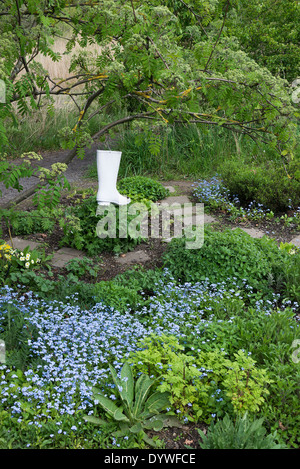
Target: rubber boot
108,163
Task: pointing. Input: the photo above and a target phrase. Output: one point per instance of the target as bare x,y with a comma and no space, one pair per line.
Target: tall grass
186,151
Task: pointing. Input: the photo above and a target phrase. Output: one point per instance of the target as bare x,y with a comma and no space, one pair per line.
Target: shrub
80,231
272,185
225,256
140,187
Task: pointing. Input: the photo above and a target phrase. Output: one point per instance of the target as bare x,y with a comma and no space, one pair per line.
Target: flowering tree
172,61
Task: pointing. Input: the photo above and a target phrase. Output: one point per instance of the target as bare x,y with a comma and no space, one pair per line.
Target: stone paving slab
179,199
170,188
296,241
134,257
65,255
21,244
252,232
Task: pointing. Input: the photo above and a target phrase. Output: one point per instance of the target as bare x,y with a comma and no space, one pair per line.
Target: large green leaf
105,402
155,424
142,388
136,428
127,383
95,420
157,401
119,416
116,380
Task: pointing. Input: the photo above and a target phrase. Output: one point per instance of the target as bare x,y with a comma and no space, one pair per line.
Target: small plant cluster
80,231
241,433
139,407
215,195
141,187
198,385
80,223
233,254
12,260
272,184
35,221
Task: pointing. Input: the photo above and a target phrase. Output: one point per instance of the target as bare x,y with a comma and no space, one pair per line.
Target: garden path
64,255
180,191
74,174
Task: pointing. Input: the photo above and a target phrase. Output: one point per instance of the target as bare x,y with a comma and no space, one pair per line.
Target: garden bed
98,315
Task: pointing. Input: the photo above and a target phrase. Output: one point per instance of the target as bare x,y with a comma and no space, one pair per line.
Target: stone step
65,255
170,188
296,241
133,257
252,232
21,244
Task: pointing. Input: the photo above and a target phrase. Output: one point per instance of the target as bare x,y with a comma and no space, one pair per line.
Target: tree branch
218,38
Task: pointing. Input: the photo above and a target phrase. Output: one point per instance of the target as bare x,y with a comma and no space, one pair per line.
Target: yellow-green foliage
204,383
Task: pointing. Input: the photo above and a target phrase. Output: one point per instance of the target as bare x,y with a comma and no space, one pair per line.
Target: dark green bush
80,231
271,184
139,279
291,276
116,296
140,187
128,290
225,257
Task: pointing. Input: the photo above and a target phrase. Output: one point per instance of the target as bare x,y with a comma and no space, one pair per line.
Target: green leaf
119,416
95,420
157,401
127,383
106,403
142,388
136,428
115,377
155,424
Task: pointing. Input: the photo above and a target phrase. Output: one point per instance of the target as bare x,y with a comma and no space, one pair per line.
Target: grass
185,152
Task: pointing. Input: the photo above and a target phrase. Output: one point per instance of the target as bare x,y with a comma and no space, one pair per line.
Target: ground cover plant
225,316
219,194
242,434
70,349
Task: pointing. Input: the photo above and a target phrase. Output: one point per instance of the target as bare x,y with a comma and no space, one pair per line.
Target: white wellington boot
108,163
